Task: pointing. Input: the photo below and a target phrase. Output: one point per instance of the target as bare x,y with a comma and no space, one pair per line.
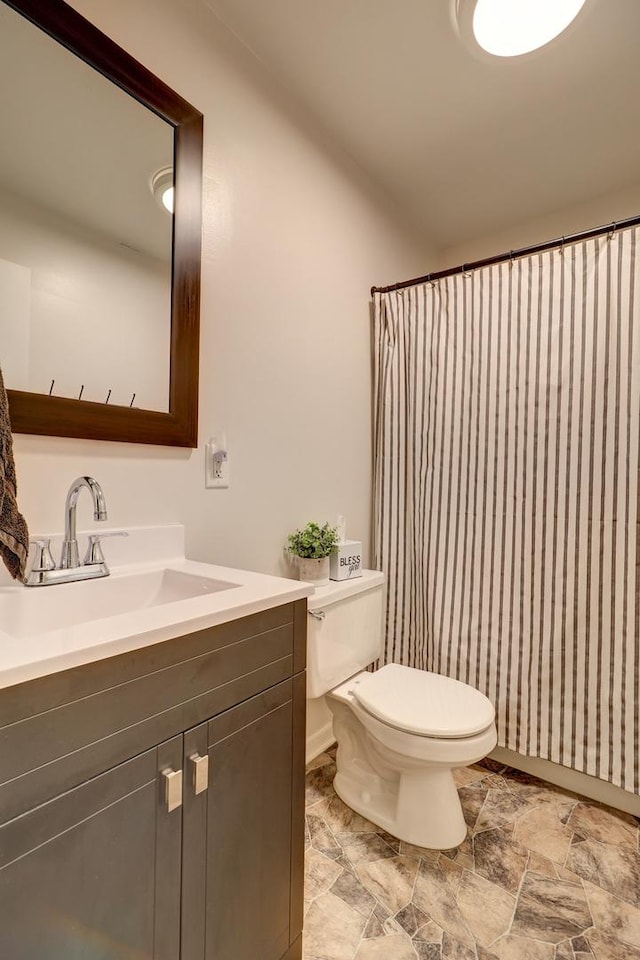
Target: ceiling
465,144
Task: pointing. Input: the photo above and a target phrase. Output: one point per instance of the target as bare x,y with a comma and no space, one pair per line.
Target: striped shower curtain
506,436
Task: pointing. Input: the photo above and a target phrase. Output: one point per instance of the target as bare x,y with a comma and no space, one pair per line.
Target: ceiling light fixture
509,28
162,187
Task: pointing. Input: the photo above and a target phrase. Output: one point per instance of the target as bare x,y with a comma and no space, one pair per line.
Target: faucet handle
42,560
94,552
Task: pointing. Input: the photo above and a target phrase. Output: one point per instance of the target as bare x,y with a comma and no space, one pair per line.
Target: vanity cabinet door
95,873
194,846
248,848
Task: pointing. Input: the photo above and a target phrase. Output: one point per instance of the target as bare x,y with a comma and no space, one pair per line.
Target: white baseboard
319,740
592,787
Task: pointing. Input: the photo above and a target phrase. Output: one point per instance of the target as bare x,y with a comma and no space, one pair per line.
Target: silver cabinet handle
199,772
317,614
172,788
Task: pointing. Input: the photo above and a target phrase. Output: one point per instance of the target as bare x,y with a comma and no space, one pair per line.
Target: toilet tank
344,630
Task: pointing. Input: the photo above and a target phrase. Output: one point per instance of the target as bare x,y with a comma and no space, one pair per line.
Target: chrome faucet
69,557
44,571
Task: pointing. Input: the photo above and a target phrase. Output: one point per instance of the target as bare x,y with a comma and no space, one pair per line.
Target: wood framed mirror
62,415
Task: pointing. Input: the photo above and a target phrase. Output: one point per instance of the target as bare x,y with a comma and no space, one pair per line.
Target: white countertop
27,653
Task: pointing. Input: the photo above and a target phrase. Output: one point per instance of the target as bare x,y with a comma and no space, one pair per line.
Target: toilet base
400,782
421,807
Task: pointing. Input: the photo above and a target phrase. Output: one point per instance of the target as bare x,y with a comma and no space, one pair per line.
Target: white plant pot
314,571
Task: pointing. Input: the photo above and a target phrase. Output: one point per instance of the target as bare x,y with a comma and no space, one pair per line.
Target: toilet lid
427,704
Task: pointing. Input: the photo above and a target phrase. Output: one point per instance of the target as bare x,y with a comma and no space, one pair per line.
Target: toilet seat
423,703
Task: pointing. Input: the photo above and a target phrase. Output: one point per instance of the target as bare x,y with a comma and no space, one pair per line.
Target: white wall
293,239
561,223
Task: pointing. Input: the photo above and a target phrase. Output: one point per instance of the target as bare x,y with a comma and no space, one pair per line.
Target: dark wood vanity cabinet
116,842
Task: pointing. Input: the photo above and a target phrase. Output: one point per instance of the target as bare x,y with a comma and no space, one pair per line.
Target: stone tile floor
543,875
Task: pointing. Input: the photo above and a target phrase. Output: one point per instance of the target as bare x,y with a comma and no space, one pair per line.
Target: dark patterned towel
14,535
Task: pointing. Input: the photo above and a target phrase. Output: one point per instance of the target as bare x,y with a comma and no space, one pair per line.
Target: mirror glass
85,245
99,286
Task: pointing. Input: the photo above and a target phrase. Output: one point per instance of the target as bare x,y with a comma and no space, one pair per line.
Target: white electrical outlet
216,462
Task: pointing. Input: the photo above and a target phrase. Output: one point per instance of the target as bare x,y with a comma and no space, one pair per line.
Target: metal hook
510,259
466,273
562,246
612,230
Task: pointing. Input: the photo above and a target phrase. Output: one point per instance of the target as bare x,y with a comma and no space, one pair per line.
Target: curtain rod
512,254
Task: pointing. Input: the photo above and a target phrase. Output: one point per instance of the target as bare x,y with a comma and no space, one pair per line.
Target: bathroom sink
152,594
24,613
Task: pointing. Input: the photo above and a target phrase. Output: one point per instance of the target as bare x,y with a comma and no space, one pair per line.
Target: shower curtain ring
612,230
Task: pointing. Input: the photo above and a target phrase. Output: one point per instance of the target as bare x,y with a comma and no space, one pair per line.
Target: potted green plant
312,547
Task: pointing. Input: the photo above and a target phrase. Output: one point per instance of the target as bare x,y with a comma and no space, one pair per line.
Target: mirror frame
61,417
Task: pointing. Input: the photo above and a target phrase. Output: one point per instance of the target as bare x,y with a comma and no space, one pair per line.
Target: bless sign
346,561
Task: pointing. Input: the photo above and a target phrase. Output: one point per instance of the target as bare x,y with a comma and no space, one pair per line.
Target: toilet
400,731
